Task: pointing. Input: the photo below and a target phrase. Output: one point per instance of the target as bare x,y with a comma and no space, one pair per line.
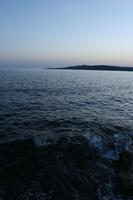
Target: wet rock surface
124,166
71,169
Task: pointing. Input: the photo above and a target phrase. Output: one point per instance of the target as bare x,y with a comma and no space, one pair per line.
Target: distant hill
97,67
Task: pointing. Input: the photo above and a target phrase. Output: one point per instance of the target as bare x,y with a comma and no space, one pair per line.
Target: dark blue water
49,103
82,122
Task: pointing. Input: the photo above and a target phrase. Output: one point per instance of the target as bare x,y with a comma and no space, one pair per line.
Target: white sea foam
94,141
40,142
111,149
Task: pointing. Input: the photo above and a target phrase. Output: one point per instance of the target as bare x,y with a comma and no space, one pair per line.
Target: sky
66,32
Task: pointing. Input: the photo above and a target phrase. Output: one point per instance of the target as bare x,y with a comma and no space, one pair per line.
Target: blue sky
66,32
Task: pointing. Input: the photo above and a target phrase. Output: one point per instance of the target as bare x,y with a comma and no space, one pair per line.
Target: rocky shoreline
71,169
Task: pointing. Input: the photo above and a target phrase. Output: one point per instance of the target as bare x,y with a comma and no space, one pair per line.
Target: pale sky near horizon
66,32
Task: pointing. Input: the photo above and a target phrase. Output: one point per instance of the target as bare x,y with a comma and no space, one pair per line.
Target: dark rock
124,171
69,169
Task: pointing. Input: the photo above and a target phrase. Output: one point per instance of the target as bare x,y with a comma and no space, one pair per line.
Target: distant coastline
96,67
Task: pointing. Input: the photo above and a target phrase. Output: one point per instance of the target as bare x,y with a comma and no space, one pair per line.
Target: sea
58,112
